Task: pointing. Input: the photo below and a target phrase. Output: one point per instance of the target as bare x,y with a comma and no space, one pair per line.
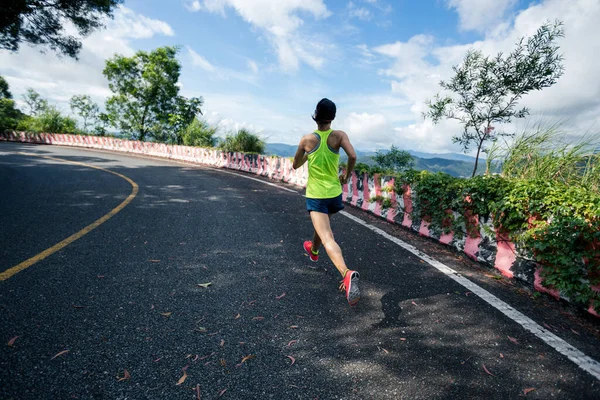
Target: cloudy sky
264,64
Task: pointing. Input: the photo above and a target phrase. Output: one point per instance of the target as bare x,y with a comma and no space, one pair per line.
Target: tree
49,120
146,95
34,101
186,111
102,123
200,133
41,22
243,141
83,106
485,90
394,160
9,114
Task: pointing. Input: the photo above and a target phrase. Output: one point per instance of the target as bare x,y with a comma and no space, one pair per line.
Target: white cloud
480,15
253,66
418,65
368,131
57,79
361,13
280,22
200,61
193,5
224,73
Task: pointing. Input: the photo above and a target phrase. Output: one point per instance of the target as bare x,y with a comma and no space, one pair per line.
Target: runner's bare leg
322,227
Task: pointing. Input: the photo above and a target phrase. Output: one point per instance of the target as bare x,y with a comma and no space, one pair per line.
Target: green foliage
42,22
49,120
146,101
200,133
435,196
9,114
83,106
185,113
34,101
4,89
385,202
394,160
485,90
243,141
549,153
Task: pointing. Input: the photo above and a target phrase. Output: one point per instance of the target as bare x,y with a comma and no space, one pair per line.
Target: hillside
458,165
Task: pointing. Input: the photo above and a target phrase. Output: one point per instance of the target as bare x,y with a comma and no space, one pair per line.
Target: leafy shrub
243,141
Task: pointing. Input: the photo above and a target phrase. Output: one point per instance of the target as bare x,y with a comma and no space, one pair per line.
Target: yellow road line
39,257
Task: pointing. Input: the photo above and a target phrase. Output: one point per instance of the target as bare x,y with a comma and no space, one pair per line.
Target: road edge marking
584,362
48,252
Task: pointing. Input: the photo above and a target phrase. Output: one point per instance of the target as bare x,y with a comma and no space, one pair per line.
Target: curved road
124,298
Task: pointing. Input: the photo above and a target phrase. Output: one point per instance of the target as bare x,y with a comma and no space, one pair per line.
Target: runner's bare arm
349,149
301,156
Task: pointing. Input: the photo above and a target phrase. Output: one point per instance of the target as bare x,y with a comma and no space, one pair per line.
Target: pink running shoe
350,284
314,257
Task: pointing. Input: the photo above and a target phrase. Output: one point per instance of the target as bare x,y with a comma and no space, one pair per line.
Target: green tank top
323,166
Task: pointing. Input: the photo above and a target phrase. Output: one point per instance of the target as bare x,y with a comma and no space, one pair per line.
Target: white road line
584,362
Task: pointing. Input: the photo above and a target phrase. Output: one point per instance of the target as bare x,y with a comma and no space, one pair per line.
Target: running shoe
350,284
314,257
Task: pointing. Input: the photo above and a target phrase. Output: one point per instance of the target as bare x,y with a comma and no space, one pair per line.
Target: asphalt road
125,297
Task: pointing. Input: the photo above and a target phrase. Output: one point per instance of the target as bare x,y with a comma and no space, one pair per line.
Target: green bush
243,141
199,133
48,120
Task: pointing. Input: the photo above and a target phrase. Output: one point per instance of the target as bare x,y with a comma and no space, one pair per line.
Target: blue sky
264,64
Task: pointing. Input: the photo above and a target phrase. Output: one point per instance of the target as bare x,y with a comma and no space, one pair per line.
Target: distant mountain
445,156
280,149
450,163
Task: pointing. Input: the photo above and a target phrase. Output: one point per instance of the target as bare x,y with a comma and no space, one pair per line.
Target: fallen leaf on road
222,392
258,318
281,296
293,327
200,329
223,362
198,392
385,351
100,276
75,306
251,302
237,316
154,260
547,326
222,342
403,339
512,339
414,304
166,314
12,341
158,359
574,331
486,370
525,391
60,353
183,378
251,356
124,377
204,285
501,355
292,342
293,360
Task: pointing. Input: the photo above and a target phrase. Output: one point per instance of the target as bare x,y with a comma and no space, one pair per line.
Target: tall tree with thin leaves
484,91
